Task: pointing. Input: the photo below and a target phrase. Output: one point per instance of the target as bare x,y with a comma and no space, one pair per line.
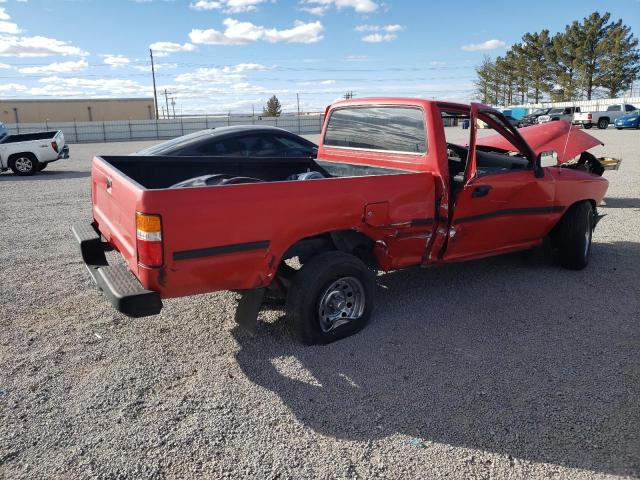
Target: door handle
481,191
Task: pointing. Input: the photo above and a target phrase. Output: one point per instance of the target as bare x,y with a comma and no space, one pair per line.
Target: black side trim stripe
511,211
417,222
221,250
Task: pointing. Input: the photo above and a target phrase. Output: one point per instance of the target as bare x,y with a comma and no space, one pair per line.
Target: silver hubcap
342,302
23,164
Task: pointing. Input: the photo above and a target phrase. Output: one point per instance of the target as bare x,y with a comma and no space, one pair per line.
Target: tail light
149,239
589,116
54,145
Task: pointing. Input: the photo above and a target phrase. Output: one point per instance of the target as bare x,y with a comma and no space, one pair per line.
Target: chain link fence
164,129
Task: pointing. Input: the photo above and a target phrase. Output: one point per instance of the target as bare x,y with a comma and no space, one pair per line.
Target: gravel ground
501,368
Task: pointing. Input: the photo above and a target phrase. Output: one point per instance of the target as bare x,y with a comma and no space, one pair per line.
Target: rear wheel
573,236
42,166
24,164
603,123
587,126
330,297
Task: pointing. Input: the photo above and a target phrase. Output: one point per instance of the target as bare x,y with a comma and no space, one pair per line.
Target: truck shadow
46,175
520,359
621,203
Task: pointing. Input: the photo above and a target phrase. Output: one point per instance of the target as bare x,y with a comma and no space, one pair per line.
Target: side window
629,108
292,147
614,108
260,146
392,128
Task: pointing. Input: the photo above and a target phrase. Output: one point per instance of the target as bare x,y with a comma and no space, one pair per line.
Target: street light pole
153,75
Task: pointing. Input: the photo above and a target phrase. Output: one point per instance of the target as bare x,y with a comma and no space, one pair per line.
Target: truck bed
234,236
28,137
151,172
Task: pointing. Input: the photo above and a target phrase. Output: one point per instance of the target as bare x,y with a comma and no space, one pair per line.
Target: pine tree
592,45
273,108
535,48
621,62
565,62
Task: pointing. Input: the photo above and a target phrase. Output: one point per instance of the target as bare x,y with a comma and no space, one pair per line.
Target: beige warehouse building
70,110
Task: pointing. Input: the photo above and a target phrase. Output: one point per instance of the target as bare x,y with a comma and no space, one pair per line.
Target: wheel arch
13,156
347,241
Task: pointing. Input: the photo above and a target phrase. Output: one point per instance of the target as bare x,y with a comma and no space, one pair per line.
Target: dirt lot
501,368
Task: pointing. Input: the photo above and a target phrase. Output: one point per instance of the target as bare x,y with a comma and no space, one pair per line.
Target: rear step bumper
121,288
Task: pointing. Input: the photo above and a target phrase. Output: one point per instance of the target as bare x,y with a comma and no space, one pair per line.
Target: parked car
28,153
560,113
630,120
514,121
376,198
603,119
532,118
236,141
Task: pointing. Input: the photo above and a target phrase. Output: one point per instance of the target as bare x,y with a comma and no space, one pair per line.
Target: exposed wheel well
348,241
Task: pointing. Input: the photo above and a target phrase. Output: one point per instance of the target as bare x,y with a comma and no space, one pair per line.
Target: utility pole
298,102
173,104
348,95
166,100
153,75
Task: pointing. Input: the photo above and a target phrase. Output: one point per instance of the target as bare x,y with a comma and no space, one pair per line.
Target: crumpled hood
547,137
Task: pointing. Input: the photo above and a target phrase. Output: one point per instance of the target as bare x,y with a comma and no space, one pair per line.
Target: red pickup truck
386,191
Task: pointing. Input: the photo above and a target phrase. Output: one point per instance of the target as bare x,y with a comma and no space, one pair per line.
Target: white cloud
37,46
100,86
225,75
393,28
12,87
239,33
116,61
157,66
9,27
437,63
383,33
56,67
379,37
229,6
4,66
165,48
488,45
319,7
6,26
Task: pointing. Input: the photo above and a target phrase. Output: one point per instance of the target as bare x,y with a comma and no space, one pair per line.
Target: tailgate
115,200
59,139
581,116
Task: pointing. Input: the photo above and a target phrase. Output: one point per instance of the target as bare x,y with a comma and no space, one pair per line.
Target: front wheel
330,297
573,236
24,164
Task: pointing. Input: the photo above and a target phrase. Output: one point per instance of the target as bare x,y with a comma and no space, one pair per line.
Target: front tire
330,297
573,236
24,164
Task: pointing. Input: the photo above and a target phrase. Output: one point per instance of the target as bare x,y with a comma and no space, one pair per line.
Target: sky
216,56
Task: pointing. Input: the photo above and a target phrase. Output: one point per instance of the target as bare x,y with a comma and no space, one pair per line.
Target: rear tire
42,166
330,297
572,236
587,126
603,123
24,164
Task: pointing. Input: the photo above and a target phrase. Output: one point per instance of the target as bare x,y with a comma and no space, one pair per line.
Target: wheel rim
342,302
23,164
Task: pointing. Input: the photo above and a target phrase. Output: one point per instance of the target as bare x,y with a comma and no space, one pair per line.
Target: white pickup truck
28,153
602,119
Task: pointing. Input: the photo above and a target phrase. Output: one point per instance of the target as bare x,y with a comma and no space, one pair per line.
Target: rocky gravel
509,367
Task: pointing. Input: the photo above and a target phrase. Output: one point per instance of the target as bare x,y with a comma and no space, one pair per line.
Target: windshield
553,111
539,111
632,113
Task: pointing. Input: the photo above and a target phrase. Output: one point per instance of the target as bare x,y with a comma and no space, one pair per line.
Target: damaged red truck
385,192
